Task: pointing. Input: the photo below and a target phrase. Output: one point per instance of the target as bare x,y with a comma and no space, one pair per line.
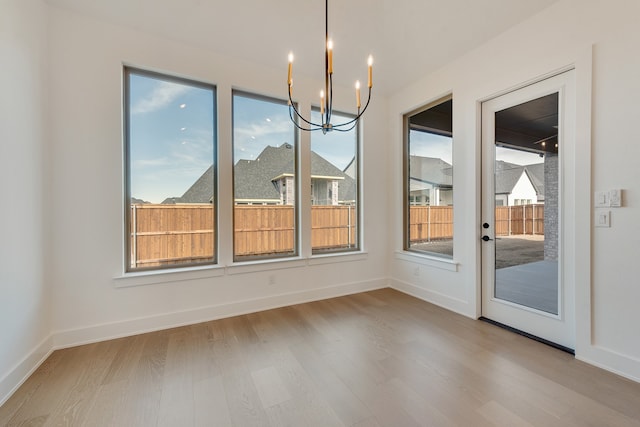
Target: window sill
428,260
152,277
255,266
142,278
331,258
281,263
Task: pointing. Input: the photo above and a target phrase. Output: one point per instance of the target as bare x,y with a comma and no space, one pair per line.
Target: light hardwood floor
379,358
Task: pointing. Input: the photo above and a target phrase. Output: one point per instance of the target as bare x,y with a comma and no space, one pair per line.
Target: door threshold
530,336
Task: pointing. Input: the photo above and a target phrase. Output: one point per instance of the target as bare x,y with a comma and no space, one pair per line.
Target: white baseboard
445,301
16,376
107,331
609,360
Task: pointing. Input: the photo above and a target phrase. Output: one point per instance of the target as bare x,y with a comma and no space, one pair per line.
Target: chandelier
326,95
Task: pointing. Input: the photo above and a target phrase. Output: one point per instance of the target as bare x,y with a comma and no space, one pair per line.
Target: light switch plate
603,218
615,198
601,199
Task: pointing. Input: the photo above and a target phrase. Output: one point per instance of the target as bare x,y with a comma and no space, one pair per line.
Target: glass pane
171,171
334,188
264,178
430,181
526,195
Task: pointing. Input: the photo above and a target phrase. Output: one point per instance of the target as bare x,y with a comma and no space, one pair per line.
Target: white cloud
141,163
162,95
261,130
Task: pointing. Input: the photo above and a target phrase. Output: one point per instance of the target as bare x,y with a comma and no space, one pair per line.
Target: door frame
561,328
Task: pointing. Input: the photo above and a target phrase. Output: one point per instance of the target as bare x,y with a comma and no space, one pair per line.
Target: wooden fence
263,230
176,234
428,223
436,222
170,234
523,219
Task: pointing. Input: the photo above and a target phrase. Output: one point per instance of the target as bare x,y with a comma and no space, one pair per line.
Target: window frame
406,190
127,72
239,259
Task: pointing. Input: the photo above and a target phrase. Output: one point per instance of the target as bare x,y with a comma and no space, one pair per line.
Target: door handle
486,238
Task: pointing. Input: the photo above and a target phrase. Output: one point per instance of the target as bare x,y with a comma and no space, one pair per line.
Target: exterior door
527,147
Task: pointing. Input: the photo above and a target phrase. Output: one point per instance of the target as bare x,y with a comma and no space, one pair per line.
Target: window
428,167
170,171
264,178
334,188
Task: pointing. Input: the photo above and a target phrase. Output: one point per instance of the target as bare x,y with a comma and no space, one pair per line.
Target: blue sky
171,137
172,134
258,123
427,144
338,148
517,157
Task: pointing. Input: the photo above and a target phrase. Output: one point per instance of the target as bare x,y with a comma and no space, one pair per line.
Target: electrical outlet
272,279
416,271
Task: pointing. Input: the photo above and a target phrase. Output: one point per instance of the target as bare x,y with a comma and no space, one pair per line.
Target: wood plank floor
379,358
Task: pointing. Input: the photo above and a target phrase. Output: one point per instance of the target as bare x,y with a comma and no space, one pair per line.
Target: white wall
560,36
90,301
24,291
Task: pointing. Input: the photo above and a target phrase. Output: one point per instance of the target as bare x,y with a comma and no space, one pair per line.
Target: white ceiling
408,38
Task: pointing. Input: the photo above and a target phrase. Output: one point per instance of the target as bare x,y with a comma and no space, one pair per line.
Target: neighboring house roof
254,179
202,190
136,201
502,165
431,170
415,185
536,173
351,168
506,179
508,174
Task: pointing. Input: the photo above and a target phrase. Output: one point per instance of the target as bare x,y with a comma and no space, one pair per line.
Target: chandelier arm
356,118
295,123
338,128
293,105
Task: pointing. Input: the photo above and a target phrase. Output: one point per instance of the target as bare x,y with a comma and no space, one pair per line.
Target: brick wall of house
551,203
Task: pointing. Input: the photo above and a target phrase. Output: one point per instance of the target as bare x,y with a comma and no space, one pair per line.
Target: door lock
486,238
